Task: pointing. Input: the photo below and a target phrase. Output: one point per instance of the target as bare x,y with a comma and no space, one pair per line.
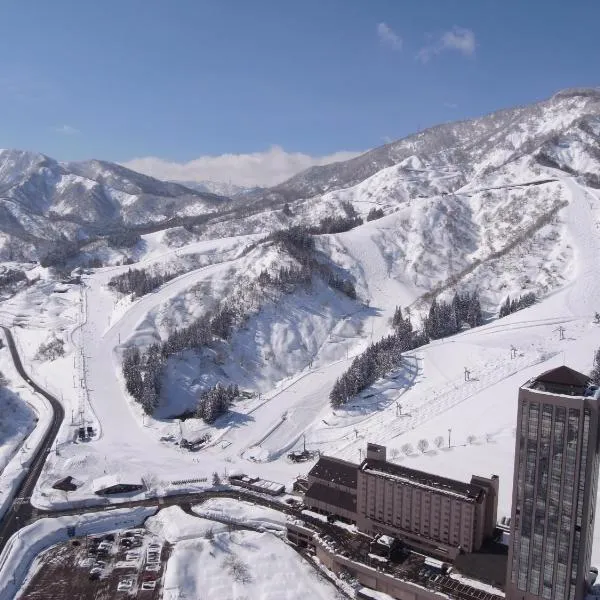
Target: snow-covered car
125,585
148,585
153,557
95,573
153,567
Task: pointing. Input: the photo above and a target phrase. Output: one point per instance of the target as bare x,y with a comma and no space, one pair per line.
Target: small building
116,484
387,546
256,484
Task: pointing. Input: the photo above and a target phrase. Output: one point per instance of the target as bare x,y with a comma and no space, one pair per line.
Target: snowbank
40,411
174,525
241,513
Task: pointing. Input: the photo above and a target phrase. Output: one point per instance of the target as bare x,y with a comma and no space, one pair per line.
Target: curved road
21,510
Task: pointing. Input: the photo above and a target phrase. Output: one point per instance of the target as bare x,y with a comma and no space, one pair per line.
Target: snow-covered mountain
467,192
43,201
220,188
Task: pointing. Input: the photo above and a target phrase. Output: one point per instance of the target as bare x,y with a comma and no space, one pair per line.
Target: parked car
125,585
95,574
148,585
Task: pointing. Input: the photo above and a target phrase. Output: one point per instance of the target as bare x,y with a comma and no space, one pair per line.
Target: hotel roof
562,380
435,483
335,470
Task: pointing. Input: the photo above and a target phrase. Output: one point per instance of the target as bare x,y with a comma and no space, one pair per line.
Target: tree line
382,357
447,318
216,401
139,282
510,306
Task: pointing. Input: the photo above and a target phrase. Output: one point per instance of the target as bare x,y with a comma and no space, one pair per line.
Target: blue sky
183,79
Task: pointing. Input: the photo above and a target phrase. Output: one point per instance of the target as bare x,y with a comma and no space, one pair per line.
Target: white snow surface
241,513
233,564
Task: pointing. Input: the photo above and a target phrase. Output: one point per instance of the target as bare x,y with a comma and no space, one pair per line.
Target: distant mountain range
45,203
220,188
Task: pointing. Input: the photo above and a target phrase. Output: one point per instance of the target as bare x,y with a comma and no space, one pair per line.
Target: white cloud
389,37
459,39
66,130
248,170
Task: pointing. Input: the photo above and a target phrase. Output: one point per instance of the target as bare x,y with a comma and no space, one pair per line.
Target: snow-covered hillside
44,202
505,204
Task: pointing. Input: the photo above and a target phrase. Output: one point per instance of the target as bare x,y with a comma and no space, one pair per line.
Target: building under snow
116,484
437,515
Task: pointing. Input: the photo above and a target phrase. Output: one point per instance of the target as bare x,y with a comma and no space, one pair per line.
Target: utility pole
449,436
467,374
513,352
398,409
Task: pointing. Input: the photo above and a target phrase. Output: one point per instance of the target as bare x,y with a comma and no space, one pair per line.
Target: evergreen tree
595,374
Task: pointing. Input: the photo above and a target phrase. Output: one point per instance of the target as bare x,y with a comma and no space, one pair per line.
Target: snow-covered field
233,564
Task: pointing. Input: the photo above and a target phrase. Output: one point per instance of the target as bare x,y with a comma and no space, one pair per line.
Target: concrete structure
554,488
436,515
440,516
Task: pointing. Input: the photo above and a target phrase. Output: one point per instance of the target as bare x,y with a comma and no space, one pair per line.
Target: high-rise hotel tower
554,488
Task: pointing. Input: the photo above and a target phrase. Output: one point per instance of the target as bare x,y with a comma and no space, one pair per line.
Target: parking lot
124,564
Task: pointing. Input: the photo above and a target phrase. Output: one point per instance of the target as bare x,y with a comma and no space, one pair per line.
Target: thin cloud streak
388,37
458,39
66,130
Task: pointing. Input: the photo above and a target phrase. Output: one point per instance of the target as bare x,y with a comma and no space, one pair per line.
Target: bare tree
439,441
407,449
423,445
238,569
471,439
394,453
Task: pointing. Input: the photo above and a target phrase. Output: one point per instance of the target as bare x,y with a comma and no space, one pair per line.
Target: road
22,510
